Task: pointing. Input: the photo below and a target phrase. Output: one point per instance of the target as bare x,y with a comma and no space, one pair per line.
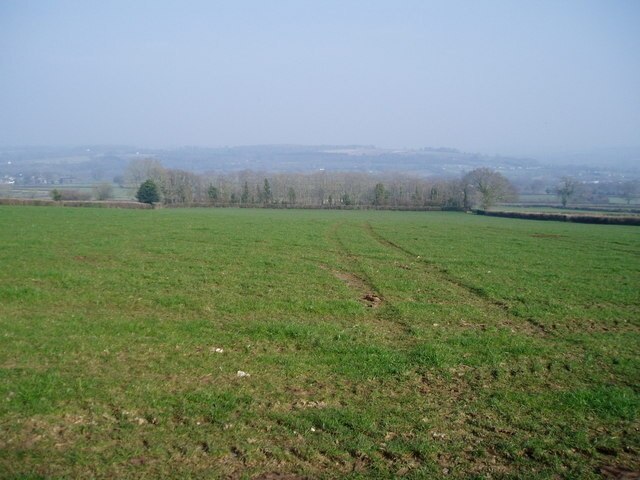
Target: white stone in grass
241,374
217,350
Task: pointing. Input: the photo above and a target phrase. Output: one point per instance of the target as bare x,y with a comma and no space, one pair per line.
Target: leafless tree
566,190
487,187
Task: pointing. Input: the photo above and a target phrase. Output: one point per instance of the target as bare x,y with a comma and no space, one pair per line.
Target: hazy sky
492,76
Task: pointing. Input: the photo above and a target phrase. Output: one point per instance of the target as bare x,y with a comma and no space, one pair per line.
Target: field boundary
288,206
565,217
271,206
74,203
608,208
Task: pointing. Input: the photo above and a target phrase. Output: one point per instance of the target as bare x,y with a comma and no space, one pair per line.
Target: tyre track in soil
443,394
368,293
486,302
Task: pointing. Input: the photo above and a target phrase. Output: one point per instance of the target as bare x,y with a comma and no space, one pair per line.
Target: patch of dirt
619,473
403,266
367,296
372,300
350,279
304,404
278,476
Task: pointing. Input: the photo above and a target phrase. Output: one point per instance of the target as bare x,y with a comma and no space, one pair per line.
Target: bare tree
566,189
487,186
322,187
141,169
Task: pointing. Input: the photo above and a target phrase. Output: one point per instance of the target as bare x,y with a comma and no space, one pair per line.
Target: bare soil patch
278,476
367,294
372,300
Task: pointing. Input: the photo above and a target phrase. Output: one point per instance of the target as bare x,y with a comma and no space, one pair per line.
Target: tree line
481,187
570,190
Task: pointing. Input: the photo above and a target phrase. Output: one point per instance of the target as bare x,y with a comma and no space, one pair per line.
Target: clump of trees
331,189
68,194
102,191
379,194
571,191
602,192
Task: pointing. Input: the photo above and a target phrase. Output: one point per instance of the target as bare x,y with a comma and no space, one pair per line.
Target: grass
500,347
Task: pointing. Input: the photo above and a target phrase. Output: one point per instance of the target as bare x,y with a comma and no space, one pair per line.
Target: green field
377,345
44,191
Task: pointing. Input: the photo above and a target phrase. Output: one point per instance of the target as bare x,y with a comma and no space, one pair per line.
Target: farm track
359,279
354,276
465,290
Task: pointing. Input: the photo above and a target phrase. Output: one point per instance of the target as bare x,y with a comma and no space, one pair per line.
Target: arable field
237,343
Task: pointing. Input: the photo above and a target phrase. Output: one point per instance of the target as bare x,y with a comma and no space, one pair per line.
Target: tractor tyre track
478,293
356,278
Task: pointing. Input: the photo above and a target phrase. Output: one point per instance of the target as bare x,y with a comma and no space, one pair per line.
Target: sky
511,77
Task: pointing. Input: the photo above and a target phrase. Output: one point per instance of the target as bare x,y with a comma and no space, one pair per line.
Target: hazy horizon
494,77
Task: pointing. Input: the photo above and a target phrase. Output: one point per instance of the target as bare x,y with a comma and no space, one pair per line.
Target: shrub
103,191
61,195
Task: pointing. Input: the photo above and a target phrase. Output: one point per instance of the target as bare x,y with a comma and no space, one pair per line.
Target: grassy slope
501,348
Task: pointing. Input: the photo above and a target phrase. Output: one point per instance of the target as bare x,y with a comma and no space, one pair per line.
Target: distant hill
96,163
618,157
